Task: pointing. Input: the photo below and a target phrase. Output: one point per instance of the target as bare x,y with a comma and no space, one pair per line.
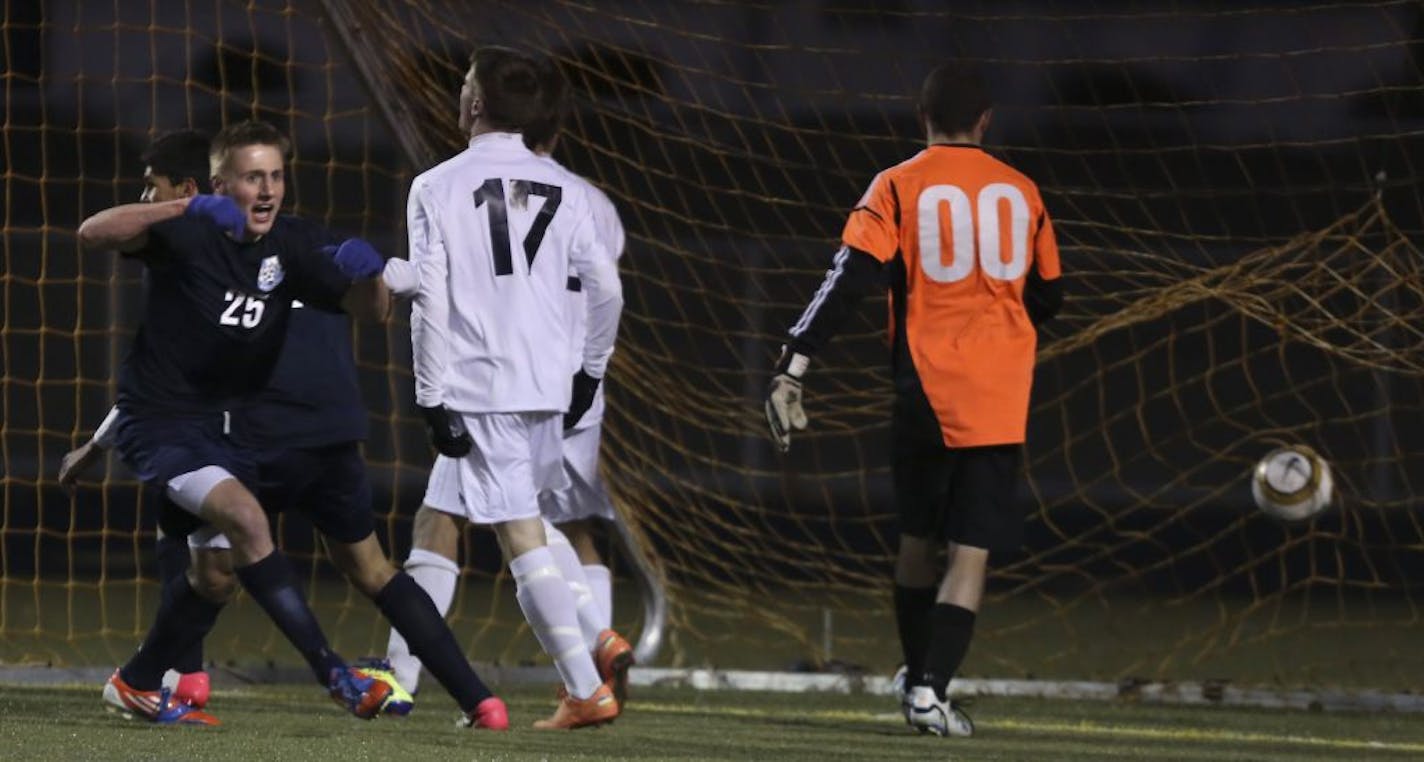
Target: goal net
1235,197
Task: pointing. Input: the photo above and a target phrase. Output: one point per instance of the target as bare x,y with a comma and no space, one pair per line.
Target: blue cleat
400,702
358,694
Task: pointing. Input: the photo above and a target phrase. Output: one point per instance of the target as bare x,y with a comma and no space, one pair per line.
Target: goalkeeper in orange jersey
967,250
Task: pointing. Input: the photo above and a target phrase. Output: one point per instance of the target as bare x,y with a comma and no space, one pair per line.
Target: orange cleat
614,656
158,706
598,709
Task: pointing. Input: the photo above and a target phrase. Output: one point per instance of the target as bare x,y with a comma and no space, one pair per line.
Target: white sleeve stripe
827,286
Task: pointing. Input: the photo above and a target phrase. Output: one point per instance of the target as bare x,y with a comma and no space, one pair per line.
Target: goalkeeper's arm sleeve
852,276
1042,298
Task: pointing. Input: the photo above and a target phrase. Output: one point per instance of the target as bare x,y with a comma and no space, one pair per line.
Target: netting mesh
1234,192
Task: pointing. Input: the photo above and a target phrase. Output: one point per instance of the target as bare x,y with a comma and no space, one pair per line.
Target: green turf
297,722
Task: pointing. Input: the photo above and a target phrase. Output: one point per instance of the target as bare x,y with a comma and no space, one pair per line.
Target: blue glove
221,211
358,260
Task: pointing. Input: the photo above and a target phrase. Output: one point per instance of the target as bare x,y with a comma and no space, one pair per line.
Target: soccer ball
1292,483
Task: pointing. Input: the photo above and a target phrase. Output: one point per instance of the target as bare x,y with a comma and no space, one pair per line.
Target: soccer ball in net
1292,483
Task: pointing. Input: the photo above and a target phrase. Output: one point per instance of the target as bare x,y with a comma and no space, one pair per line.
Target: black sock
951,628
269,581
413,614
912,617
173,557
183,617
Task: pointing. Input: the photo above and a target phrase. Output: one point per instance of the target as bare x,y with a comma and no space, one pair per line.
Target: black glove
447,431
585,386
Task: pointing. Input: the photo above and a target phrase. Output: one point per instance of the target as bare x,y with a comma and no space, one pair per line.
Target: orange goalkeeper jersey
967,228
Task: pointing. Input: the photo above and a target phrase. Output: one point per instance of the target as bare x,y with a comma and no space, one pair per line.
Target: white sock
548,606
600,581
590,618
437,576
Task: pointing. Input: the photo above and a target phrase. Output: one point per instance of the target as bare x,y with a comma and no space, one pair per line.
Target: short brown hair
252,132
510,86
954,97
542,130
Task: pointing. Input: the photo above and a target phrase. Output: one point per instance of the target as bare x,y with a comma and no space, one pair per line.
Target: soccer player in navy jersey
223,271
175,166
306,426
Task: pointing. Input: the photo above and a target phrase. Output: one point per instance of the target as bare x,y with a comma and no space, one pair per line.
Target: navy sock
183,617
912,618
951,628
270,582
173,559
415,617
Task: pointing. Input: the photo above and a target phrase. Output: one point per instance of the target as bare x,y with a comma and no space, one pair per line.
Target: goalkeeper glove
783,398
585,386
447,431
219,210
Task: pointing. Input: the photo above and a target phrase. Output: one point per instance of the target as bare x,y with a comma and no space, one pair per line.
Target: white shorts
585,497
515,457
188,491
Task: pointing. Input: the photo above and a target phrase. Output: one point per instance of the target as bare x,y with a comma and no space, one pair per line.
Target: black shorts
157,449
328,485
965,495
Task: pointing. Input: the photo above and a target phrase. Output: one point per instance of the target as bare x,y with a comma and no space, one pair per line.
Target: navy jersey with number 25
217,310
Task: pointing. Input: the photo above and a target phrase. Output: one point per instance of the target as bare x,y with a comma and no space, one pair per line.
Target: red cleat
193,689
490,714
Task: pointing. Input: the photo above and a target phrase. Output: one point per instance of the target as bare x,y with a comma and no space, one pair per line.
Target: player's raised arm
125,227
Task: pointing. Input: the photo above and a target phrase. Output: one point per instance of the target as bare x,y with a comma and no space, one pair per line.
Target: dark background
1171,141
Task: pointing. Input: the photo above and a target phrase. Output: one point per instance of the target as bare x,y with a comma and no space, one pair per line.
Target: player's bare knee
437,532
213,584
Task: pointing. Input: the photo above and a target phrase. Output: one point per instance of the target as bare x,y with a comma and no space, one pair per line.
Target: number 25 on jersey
242,310
968,228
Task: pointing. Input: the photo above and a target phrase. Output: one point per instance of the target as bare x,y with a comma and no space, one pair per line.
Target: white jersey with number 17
494,233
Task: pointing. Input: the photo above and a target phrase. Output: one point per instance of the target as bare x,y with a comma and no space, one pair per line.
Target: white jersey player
494,233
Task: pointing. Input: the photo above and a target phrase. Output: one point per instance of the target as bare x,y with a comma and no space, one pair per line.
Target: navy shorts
964,494
328,485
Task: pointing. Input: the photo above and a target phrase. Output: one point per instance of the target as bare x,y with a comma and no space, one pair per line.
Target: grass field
297,722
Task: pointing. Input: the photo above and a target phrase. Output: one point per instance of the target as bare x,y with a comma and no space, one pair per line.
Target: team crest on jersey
270,274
